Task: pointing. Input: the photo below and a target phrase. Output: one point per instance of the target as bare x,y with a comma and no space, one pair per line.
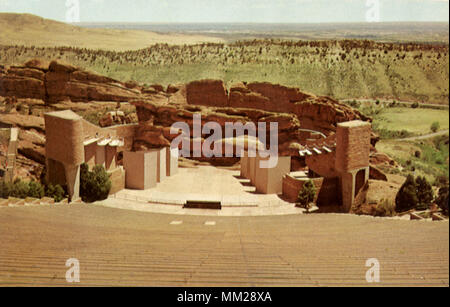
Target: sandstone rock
376,174
61,82
207,93
157,118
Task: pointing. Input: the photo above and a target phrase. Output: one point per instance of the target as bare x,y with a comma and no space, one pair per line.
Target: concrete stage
238,196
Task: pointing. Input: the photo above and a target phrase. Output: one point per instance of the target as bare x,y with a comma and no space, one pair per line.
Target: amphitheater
144,235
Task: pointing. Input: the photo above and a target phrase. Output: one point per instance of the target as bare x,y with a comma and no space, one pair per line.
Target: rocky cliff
59,85
58,82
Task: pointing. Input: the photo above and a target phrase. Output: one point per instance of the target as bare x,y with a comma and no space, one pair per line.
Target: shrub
442,199
435,126
385,208
406,198
94,185
36,190
415,105
441,181
20,189
5,189
307,194
56,192
424,193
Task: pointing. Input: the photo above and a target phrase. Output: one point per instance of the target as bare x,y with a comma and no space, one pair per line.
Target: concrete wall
172,161
89,154
161,167
270,180
110,157
323,165
245,167
292,186
141,169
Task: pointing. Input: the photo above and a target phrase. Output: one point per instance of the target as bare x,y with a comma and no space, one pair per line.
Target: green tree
425,194
95,185
406,198
307,194
442,199
435,126
56,192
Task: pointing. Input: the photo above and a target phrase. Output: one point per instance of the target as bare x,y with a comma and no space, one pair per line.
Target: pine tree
424,193
406,198
307,194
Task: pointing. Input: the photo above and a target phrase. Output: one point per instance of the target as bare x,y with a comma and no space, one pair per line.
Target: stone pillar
172,155
73,181
352,155
245,166
347,182
110,157
162,165
141,169
252,169
270,180
100,154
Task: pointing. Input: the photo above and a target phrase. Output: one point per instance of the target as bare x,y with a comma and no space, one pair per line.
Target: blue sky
234,10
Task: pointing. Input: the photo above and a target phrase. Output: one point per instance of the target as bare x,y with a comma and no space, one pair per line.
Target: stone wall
353,149
292,187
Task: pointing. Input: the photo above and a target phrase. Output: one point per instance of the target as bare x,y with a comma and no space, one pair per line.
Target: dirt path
405,103
427,136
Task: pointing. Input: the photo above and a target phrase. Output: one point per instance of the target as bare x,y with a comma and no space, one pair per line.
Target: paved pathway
130,248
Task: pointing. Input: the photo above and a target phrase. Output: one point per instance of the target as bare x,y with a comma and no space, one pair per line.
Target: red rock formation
156,119
60,82
210,93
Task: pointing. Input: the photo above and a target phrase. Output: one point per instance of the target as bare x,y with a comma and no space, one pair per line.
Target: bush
5,189
307,194
415,105
424,193
406,198
441,181
435,127
442,200
94,185
21,189
56,192
385,208
36,190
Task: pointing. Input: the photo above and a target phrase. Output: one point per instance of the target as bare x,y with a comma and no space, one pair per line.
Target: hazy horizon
233,11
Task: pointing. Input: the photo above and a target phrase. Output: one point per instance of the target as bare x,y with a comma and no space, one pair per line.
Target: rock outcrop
156,120
59,82
63,86
315,113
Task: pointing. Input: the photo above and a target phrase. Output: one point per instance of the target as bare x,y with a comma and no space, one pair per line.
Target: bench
203,204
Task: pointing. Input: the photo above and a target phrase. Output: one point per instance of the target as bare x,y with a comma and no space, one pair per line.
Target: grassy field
425,157
429,158
414,121
343,69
